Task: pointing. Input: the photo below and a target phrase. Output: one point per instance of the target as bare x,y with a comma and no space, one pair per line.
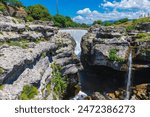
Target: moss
28,92
114,57
1,70
143,37
1,87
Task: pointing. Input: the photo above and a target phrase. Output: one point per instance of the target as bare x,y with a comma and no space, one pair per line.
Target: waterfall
128,87
77,34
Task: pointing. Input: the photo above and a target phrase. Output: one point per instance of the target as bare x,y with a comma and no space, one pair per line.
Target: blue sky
87,11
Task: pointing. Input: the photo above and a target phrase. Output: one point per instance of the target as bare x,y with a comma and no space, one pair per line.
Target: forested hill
36,12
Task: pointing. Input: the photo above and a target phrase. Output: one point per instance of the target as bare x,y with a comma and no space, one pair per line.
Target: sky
87,11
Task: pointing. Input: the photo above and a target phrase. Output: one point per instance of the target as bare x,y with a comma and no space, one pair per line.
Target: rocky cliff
29,55
105,52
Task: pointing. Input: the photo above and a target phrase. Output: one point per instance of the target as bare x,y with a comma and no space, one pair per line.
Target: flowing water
77,34
128,87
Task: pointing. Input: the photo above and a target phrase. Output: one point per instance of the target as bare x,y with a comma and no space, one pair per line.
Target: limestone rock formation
108,46
104,56
27,51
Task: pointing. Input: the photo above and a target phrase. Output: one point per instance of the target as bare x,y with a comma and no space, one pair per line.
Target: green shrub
58,81
38,12
114,57
28,92
29,18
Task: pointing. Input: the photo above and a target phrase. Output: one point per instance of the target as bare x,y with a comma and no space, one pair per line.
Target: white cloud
114,15
129,4
84,11
124,9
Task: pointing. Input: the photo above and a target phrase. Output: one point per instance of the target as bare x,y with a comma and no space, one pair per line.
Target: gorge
41,61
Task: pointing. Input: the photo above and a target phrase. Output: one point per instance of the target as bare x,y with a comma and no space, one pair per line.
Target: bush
29,18
114,57
107,23
58,81
38,12
60,21
28,92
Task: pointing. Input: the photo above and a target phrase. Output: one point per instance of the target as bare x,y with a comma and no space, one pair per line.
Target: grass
1,71
28,92
43,55
114,57
21,43
143,37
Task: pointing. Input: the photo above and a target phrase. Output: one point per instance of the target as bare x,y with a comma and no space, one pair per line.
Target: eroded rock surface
27,51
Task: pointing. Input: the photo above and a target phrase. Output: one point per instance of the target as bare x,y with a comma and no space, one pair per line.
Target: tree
39,12
97,22
107,23
121,21
59,21
17,3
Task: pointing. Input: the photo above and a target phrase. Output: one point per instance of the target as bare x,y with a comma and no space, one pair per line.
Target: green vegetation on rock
58,81
28,92
1,71
1,87
131,25
2,7
43,55
143,37
114,57
22,43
